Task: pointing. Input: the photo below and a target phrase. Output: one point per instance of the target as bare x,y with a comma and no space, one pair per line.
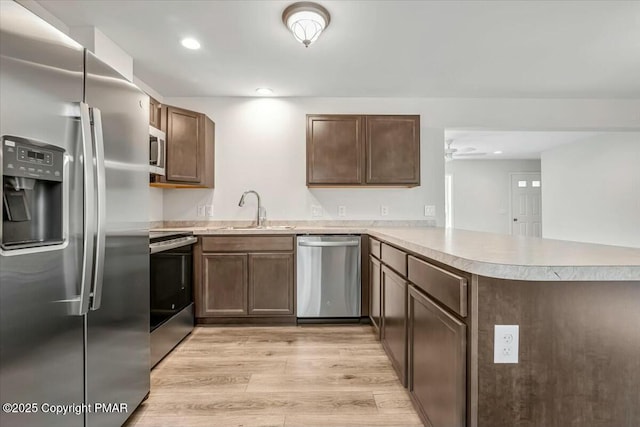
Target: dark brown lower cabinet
375,296
394,325
437,362
225,290
271,283
245,279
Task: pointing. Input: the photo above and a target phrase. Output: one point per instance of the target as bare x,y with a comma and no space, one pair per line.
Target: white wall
104,48
260,144
156,201
481,191
591,190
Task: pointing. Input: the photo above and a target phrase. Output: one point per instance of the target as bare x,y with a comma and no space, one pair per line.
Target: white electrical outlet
342,211
505,343
384,210
208,210
316,211
429,210
201,210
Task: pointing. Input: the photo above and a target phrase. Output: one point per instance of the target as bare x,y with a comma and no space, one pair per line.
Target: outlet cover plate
384,210
429,210
316,211
342,210
505,343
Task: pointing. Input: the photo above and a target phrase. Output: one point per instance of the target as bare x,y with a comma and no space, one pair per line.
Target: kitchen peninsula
435,295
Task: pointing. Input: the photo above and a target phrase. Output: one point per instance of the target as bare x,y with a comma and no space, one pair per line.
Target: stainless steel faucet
259,218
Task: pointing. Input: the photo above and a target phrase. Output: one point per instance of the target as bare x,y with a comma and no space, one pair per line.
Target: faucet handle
263,214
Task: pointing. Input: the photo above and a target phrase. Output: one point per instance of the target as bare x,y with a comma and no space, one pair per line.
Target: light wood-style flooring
297,376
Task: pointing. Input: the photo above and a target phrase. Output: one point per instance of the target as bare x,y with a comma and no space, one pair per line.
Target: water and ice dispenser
32,194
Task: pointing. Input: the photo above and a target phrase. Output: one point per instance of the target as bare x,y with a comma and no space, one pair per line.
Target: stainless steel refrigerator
74,255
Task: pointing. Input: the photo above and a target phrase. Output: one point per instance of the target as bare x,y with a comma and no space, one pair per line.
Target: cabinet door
437,362
271,284
393,150
154,113
183,145
334,149
224,285
375,296
394,313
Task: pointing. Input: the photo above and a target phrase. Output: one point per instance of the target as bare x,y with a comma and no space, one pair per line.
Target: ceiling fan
454,153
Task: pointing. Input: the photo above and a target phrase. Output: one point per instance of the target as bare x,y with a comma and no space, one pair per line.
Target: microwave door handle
101,217
159,156
89,214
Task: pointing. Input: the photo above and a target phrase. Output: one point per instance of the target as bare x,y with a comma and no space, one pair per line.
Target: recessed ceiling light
497,152
265,91
190,43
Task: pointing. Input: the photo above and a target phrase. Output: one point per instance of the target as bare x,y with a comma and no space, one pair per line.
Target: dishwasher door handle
329,244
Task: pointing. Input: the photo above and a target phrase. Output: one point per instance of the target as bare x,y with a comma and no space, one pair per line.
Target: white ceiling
573,49
513,144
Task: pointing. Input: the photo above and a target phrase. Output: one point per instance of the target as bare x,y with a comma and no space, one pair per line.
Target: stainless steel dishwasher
328,285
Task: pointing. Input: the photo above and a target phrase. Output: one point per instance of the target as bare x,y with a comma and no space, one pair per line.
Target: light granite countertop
485,254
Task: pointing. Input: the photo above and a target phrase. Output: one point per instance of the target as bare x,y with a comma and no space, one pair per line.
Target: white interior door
526,213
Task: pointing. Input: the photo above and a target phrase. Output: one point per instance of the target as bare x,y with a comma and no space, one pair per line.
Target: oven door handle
172,244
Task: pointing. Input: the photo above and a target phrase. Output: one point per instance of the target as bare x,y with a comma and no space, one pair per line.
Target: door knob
515,219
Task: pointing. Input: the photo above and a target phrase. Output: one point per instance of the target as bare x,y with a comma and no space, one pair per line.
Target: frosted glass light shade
306,21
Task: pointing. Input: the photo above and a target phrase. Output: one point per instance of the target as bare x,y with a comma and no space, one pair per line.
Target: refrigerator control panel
30,159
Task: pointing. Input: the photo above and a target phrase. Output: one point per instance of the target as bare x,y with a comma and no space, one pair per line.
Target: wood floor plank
274,353
199,384
380,364
323,382
393,402
361,353
212,421
204,365
246,403
270,376
375,420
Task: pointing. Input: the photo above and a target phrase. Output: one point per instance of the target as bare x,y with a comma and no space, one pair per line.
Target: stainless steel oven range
171,290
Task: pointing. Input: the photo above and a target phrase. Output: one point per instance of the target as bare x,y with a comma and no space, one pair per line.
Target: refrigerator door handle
88,211
98,268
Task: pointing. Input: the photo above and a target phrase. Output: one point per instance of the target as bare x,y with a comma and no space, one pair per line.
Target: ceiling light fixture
264,91
190,43
497,152
306,20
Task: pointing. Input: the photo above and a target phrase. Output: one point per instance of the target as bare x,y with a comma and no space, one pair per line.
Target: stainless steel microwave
157,151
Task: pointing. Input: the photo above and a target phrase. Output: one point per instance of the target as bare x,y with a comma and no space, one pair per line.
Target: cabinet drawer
247,243
394,258
374,247
448,288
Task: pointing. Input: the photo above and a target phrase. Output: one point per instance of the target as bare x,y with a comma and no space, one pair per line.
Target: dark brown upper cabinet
335,148
358,150
190,149
392,150
155,113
